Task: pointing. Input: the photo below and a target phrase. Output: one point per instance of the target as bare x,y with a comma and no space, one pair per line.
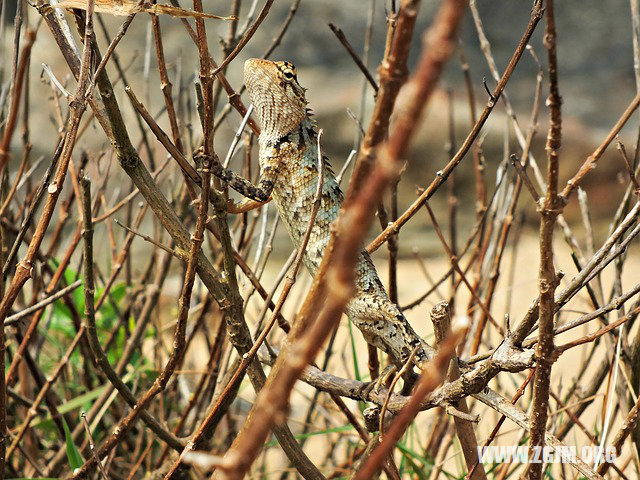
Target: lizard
288,159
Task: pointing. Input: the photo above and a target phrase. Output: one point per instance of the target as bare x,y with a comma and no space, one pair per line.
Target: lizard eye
287,71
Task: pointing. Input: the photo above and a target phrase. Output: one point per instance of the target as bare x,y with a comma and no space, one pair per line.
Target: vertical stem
365,59
441,318
547,277
635,29
393,73
393,245
227,47
165,83
453,198
206,81
635,24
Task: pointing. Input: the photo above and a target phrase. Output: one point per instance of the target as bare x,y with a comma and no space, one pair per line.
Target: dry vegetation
114,238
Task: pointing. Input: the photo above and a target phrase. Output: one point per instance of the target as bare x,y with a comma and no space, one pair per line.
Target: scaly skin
289,173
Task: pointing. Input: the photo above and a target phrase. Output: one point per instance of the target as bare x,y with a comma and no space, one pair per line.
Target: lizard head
277,97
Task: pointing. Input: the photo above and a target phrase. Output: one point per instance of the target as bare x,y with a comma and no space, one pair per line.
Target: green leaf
75,459
412,454
419,471
61,322
107,312
342,429
356,369
80,401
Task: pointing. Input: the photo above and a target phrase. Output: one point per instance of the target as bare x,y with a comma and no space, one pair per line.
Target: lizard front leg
257,195
245,205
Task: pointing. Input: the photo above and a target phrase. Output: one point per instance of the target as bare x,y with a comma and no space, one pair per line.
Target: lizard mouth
279,105
257,78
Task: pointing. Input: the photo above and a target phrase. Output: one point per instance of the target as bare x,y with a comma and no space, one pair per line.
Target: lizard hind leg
399,354
398,364
384,326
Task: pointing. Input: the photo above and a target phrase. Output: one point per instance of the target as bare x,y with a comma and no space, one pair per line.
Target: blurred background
595,67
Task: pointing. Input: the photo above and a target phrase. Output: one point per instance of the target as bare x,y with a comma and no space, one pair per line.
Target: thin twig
365,71
15,318
245,38
92,446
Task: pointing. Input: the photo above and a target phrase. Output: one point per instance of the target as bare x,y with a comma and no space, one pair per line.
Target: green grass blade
73,455
356,369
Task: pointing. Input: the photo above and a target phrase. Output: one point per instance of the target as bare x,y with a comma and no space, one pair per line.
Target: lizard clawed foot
383,380
199,153
245,206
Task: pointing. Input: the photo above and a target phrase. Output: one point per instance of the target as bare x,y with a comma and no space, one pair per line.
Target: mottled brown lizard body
289,172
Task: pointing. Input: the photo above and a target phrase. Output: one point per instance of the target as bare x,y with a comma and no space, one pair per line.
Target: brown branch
129,197
443,174
441,318
31,330
119,261
25,267
246,37
477,228
163,138
16,181
522,173
595,335
456,266
605,255
149,304
408,364
519,393
99,355
283,29
507,222
33,206
51,380
176,253
92,446
591,161
16,96
548,280
628,426
234,97
392,73
16,317
627,164
179,337
615,304
471,383
354,56
165,83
